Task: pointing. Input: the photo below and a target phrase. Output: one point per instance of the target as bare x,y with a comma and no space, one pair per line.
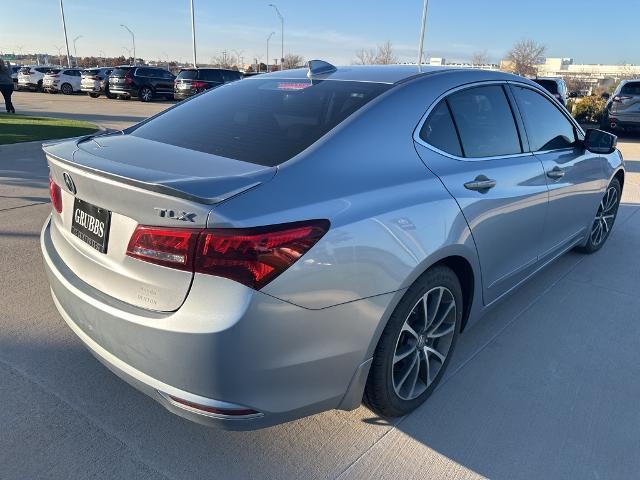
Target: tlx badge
175,215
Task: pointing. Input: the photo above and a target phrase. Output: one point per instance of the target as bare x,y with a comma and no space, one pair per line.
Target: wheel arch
619,175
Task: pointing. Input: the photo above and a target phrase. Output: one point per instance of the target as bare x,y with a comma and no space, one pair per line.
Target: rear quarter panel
391,218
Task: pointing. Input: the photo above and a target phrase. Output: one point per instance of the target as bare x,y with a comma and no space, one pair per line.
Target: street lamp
75,51
133,40
281,35
424,25
64,28
193,36
268,39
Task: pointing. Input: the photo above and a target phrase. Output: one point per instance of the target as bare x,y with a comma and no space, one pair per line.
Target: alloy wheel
424,343
146,94
605,216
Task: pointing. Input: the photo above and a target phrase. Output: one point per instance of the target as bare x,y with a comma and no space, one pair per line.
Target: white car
31,78
66,81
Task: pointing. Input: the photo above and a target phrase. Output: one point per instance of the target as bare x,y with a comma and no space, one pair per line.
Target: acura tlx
303,240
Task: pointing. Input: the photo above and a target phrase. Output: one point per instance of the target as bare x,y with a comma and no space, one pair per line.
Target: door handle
555,173
480,184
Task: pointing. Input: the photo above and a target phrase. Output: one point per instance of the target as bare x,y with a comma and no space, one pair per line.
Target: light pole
268,39
75,51
281,35
64,28
133,40
424,25
193,36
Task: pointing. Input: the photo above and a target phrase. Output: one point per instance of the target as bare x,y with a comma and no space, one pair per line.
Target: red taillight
251,256
169,247
198,84
127,79
56,195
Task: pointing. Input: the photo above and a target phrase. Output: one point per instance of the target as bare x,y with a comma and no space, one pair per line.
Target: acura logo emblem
68,181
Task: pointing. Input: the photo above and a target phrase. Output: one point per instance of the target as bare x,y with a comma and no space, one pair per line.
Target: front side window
485,122
440,132
547,127
262,121
631,88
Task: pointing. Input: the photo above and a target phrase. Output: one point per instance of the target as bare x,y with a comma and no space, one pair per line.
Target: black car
145,83
195,80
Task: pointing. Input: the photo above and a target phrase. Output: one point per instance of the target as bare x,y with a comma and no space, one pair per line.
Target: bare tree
524,57
382,55
481,57
291,60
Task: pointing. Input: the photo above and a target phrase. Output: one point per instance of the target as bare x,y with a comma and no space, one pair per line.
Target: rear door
472,140
574,175
163,81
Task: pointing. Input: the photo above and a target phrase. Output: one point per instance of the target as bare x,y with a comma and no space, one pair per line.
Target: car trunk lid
134,182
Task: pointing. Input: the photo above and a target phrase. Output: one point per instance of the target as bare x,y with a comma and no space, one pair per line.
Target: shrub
589,110
571,103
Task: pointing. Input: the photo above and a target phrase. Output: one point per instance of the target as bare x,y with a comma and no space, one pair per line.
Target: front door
573,174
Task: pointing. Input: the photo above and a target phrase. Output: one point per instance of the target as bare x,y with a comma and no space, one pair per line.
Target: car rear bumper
227,345
624,121
119,90
181,94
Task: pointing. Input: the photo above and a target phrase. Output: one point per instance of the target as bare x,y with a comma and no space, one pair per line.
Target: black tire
145,94
66,89
380,394
39,87
94,95
594,243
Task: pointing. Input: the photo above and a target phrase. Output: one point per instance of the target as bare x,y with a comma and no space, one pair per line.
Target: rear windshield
188,75
631,88
262,121
120,72
91,72
25,69
548,85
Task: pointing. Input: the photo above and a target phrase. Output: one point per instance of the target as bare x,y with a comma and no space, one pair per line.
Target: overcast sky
328,29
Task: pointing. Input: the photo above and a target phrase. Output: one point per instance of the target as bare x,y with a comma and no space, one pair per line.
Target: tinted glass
120,72
230,76
549,85
485,122
440,131
631,88
189,74
25,70
547,128
262,121
211,75
166,74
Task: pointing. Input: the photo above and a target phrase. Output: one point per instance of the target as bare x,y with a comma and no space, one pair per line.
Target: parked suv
144,83
31,78
555,86
66,81
623,108
195,80
95,81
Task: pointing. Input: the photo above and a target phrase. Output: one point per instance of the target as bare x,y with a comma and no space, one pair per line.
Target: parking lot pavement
545,386
116,114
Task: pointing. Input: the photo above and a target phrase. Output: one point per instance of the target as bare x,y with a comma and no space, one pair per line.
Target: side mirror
599,141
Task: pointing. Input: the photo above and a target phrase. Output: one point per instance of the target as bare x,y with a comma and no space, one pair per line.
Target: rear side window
631,88
547,128
230,76
549,85
262,121
210,76
440,132
485,122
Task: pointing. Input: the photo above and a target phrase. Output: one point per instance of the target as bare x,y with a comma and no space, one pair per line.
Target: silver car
297,241
622,111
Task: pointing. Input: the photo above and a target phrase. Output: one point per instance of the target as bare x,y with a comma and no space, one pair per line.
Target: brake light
198,84
251,256
56,195
127,78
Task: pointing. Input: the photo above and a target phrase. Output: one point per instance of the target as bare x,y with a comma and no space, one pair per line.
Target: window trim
517,120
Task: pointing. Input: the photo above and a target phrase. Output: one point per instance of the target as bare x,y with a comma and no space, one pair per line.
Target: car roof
389,74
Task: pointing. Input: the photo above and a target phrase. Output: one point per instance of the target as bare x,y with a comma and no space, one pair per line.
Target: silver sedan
296,242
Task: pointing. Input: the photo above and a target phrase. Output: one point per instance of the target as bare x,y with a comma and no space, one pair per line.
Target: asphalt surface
544,386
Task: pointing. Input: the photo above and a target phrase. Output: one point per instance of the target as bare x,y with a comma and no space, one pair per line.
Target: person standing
6,86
